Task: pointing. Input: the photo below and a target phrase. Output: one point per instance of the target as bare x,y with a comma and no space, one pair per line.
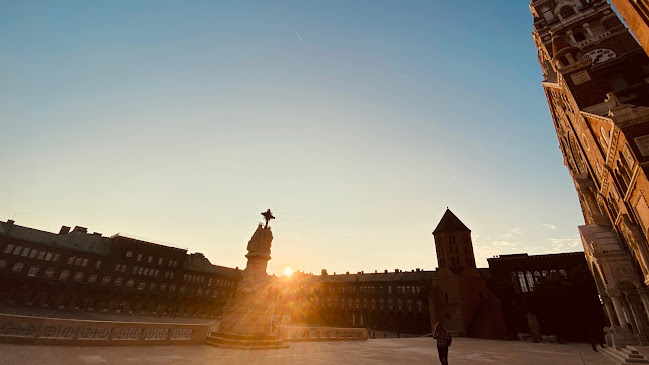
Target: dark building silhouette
557,288
81,271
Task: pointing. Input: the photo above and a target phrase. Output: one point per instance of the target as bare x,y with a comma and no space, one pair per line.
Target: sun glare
288,271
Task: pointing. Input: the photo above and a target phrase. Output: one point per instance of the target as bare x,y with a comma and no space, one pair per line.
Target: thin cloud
513,231
550,226
504,244
567,244
300,37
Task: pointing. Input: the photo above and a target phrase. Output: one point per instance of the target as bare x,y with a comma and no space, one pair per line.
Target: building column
619,309
572,37
644,296
610,312
628,314
638,314
588,30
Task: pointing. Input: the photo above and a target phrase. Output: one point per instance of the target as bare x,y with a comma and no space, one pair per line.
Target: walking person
444,340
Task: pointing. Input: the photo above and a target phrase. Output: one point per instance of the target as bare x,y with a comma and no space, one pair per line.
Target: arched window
562,272
579,36
530,281
33,270
78,276
162,287
18,267
172,288
129,284
545,273
64,275
105,280
566,12
152,285
49,272
92,279
537,276
118,282
521,281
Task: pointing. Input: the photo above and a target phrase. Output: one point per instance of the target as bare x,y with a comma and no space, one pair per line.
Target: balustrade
37,330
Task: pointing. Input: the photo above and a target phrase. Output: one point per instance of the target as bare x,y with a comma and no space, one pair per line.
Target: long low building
75,269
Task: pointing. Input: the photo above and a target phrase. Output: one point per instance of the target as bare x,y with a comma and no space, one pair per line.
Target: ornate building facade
596,86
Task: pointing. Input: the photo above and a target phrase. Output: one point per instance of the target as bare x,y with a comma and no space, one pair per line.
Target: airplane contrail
298,35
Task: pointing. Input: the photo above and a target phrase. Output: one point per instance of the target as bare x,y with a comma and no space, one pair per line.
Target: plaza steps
245,342
625,355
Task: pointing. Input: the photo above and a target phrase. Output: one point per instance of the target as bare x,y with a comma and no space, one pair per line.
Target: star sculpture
268,215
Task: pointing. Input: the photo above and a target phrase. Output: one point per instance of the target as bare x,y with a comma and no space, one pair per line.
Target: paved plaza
464,351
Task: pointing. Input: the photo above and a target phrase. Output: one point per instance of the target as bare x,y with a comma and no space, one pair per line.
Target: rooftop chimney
80,229
386,271
323,272
64,230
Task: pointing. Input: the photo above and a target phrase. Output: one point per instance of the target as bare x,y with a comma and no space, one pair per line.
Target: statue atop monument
268,215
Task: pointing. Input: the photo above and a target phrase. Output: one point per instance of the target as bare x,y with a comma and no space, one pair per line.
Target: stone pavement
414,351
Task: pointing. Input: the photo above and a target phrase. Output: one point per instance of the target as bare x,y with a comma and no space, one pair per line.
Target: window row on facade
372,303
34,270
372,289
151,259
526,281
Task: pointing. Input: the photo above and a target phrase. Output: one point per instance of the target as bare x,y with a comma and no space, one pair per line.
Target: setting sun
288,271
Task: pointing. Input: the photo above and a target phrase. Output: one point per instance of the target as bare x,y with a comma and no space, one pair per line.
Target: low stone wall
296,334
55,331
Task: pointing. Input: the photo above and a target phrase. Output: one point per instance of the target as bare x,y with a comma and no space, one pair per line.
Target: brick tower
459,297
453,242
596,84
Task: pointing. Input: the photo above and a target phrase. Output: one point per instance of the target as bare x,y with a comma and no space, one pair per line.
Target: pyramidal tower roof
450,222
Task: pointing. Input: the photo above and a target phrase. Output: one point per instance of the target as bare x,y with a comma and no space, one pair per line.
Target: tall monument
248,316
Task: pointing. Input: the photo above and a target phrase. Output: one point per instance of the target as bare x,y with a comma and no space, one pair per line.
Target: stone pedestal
619,337
247,317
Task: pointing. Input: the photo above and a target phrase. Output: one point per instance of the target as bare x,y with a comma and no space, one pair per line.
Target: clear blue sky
357,122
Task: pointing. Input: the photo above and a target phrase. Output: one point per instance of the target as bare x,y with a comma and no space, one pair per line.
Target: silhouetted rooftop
450,222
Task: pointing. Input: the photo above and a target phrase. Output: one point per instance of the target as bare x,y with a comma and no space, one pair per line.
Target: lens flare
288,271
